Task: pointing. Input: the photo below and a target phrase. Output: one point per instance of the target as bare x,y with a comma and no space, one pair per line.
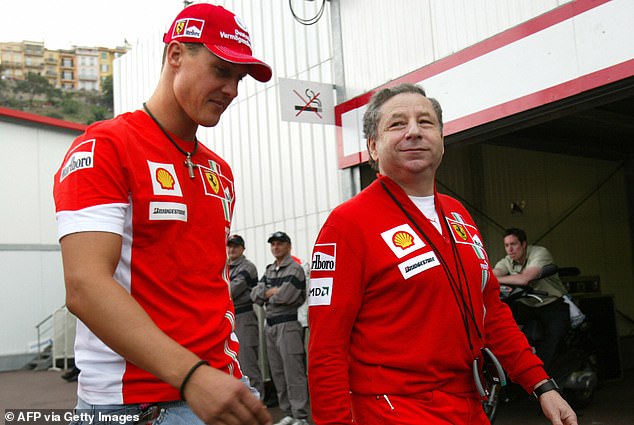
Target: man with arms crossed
144,212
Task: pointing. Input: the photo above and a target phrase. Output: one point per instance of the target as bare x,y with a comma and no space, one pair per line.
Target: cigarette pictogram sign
306,101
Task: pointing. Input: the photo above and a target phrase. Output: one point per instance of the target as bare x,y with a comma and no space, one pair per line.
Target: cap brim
278,239
257,69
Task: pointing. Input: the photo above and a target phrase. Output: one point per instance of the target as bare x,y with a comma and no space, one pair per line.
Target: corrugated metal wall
383,40
286,173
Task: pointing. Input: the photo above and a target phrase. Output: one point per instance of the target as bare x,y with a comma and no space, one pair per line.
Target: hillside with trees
36,95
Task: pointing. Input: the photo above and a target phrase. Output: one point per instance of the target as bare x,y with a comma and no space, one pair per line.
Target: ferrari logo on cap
180,26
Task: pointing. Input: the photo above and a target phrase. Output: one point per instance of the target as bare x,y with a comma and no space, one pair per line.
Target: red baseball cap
222,32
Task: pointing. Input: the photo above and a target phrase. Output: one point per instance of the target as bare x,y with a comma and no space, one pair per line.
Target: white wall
31,278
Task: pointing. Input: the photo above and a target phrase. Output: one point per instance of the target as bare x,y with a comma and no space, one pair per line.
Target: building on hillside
67,73
106,58
33,57
52,67
78,68
12,60
87,67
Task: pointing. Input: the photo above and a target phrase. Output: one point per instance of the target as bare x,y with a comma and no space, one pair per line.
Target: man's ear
175,52
372,149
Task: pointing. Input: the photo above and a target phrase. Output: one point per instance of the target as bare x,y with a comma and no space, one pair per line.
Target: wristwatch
545,387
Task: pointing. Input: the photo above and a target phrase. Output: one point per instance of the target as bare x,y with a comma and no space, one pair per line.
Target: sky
60,24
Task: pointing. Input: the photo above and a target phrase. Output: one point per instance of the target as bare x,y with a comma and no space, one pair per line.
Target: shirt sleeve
292,292
503,265
539,257
91,188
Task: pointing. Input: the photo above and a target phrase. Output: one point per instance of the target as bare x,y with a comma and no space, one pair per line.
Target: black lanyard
457,283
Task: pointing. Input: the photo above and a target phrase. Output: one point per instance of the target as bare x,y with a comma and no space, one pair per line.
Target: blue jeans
175,413
171,413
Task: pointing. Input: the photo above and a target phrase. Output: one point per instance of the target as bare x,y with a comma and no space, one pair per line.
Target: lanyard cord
181,150
456,288
458,261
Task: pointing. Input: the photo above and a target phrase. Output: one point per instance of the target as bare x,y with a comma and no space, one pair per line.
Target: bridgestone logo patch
168,211
418,264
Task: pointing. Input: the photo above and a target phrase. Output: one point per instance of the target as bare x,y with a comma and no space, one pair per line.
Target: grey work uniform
284,334
244,277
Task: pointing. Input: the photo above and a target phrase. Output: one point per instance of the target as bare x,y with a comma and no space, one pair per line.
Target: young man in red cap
143,214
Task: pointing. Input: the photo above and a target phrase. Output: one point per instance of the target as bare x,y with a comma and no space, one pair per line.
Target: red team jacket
383,318
123,176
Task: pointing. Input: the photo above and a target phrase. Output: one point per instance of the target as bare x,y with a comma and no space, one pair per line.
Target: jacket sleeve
257,293
239,284
292,292
507,341
334,301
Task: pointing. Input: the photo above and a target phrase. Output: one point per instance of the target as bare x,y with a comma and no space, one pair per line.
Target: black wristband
545,387
189,375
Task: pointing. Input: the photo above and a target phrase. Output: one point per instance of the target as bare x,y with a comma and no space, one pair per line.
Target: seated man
523,264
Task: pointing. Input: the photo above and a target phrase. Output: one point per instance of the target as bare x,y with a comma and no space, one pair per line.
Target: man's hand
272,291
556,409
218,398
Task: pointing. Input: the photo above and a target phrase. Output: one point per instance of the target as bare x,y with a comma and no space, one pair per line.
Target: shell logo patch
402,240
460,231
164,179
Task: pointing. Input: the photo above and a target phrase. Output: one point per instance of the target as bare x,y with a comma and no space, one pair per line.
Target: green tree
70,106
107,91
34,85
4,87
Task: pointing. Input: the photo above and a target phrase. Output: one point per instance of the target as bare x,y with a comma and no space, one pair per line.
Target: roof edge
40,119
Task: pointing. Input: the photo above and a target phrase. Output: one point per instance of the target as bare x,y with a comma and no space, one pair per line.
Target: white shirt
427,206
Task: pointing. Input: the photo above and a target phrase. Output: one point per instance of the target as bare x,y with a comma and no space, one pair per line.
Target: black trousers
554,322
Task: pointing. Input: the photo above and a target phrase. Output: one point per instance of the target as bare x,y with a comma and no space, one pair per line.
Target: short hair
372,115
192,48
518,233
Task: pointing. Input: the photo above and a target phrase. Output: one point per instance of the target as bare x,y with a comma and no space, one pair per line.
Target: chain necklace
188,155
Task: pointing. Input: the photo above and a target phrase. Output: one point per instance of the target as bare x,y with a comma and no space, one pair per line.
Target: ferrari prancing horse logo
460,231
213,181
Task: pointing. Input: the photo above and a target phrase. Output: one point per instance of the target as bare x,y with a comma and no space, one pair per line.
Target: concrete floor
613,403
